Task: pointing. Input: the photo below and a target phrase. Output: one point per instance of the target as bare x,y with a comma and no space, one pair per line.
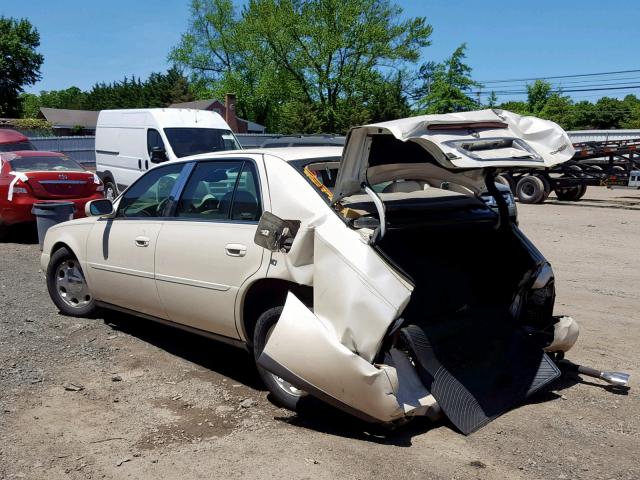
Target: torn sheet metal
355,290
565,335
466,140
304,350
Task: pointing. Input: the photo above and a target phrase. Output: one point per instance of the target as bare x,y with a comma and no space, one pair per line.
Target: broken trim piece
268,363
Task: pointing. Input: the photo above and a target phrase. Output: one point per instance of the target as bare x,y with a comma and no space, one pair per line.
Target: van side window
149,196
154,140
221,191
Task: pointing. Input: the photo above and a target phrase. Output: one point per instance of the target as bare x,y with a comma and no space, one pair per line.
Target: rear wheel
283,392
110,189
67,285
530,189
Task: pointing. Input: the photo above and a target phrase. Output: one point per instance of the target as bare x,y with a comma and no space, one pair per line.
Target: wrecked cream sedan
376,279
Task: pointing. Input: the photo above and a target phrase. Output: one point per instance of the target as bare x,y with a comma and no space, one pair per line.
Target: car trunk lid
456,141
57,185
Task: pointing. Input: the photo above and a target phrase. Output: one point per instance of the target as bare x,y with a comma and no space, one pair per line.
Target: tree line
313,66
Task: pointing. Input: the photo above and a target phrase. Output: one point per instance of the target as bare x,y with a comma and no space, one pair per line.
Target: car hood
456,141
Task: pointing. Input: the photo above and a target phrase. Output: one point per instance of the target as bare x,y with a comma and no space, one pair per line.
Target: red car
30,176
10,141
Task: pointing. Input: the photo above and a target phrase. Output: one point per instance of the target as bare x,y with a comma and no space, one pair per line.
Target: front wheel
67,285
284,393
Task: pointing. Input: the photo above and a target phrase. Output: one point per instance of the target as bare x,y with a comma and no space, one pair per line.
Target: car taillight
100,188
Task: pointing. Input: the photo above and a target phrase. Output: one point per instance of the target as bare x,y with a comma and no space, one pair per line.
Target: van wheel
283,392
530,189
110,189
67,285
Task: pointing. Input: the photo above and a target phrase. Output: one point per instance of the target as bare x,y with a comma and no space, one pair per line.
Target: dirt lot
146,401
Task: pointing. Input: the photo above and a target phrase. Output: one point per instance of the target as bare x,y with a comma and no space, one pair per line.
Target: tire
506,179
110,189
571,194
67,286
547,185
530,189
284,394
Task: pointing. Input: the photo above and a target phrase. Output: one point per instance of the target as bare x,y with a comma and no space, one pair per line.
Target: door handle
236,249
142,241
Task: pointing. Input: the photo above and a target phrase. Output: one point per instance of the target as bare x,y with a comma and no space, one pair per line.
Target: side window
153,140
149,196
221,191
246,201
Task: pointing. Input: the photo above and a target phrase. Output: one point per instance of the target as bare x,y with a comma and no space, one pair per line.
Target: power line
568,90
590,83
558,76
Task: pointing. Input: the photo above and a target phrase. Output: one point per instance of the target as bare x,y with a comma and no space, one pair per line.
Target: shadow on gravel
23,233
321,417
224,359
569,379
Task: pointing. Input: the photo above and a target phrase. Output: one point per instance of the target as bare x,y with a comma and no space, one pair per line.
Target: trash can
49,214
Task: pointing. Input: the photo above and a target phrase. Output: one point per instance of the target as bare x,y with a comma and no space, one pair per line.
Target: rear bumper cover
19,209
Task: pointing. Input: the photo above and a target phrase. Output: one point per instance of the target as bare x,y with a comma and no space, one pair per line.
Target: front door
205,252
121,250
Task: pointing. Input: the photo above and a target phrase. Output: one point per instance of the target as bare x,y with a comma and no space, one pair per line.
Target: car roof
11,136
34,153
288,154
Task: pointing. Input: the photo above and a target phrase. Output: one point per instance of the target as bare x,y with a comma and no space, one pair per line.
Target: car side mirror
158,155
98,208
274,233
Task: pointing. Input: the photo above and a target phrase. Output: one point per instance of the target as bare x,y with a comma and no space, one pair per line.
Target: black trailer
611,163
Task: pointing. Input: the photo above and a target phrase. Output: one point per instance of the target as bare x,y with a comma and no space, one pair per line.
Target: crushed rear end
430,302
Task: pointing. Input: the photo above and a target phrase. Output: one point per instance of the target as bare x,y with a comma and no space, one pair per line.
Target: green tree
559,108
448,85
284,56
521,108
537,95
609,113
492,100
19,62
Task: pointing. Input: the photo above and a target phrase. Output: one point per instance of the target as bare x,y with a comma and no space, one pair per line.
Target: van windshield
192,141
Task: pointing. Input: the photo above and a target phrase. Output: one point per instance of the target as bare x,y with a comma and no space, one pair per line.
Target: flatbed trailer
611,163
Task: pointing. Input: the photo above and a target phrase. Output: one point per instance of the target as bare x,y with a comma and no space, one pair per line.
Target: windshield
45,164
192,141
16,147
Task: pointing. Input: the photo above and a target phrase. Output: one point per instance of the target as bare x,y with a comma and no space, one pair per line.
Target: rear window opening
45,164
16,147
495,149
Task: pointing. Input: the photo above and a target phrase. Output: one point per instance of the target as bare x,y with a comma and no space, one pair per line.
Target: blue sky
85,42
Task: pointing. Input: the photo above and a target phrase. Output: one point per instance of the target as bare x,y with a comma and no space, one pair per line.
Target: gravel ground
121,397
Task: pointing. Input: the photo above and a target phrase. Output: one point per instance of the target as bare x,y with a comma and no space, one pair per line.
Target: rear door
206,251
121,250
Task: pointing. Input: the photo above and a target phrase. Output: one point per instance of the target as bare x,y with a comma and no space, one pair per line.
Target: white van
129,142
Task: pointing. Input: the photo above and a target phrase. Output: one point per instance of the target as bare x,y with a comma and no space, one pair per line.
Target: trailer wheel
547,185
506,179
530,189
571,194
